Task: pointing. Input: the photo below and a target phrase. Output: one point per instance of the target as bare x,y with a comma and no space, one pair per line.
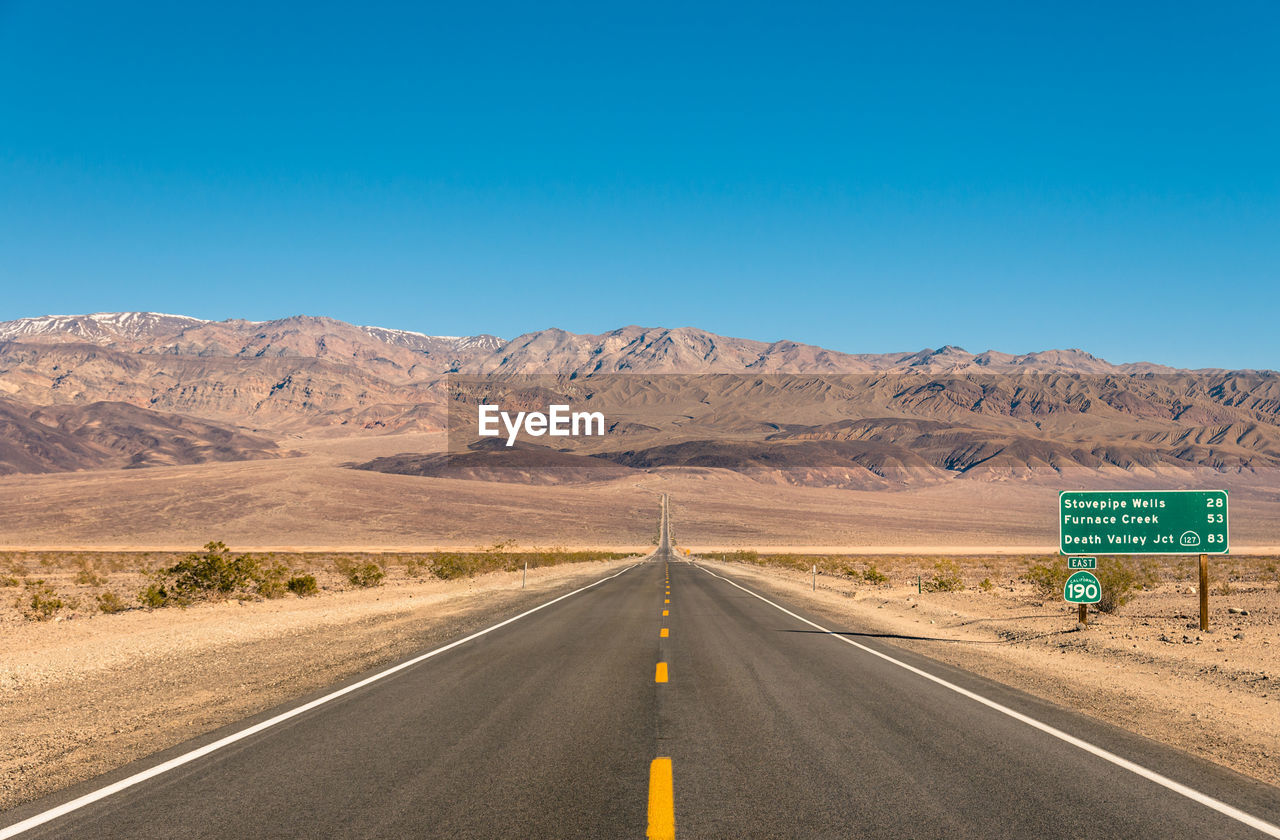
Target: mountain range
143,389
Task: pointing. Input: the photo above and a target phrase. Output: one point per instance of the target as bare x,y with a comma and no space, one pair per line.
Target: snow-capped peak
107,328
408,338
98,325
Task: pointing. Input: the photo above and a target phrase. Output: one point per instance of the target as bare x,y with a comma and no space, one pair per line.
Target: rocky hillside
102,435
135,389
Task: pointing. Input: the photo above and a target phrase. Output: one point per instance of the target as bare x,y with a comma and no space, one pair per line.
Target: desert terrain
1147,668
132,439
85,691
316,501
146,431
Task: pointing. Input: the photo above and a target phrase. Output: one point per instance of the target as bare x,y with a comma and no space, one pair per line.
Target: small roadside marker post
815,577
525,575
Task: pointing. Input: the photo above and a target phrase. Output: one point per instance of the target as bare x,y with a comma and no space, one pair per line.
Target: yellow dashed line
662,801
664,632
666,612
667,601
660,675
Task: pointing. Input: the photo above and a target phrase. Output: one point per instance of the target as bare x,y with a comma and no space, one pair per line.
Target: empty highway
665,700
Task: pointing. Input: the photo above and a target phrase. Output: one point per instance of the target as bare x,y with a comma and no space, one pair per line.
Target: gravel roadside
79,698
1146,669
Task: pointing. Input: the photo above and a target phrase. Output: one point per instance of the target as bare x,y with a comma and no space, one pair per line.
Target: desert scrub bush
798,562
453,566
1048,577
986,585
216,572
8,580
40,602
1118,577
110,602
303,585
364,575
450,565
154,596
273,580
88,577
873,575
945,577
15,566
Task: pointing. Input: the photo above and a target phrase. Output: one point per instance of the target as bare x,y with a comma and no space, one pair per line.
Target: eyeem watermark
557,421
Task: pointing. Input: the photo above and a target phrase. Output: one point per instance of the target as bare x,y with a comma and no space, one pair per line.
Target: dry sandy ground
314,502
81,697
1147,668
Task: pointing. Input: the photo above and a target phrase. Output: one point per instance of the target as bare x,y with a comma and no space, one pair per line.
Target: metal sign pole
1204,592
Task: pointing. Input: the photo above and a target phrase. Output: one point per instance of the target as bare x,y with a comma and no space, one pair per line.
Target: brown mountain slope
29,446
276,392
995,414
637,349
115,435
903,429
490,461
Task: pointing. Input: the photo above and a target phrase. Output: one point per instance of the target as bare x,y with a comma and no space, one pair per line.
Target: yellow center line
667,601
662,804
660,675
664,632
666,612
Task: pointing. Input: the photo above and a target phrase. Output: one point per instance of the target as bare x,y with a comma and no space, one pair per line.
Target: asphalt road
558,725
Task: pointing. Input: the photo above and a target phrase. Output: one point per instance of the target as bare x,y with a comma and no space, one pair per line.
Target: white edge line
164,767
1164,781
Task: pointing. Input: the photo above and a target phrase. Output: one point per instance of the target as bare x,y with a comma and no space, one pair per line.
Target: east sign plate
1082,588
1142,522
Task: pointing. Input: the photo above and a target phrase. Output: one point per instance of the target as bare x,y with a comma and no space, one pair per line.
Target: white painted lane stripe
186,758
1164,781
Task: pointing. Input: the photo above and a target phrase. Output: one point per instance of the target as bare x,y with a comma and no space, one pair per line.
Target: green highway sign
1143,522
1082,588
1082,562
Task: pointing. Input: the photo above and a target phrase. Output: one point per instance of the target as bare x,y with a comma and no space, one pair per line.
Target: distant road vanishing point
664,700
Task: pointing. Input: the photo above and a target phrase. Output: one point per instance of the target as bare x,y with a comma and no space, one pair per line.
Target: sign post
1146,522
1074,563
1082,588
1204,592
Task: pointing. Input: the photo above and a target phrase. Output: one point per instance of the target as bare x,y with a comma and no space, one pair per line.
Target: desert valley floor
314,500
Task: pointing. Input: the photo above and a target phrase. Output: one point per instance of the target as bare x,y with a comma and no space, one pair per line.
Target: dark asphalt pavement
546,727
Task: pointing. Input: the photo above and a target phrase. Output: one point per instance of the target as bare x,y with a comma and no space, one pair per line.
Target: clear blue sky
868,177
